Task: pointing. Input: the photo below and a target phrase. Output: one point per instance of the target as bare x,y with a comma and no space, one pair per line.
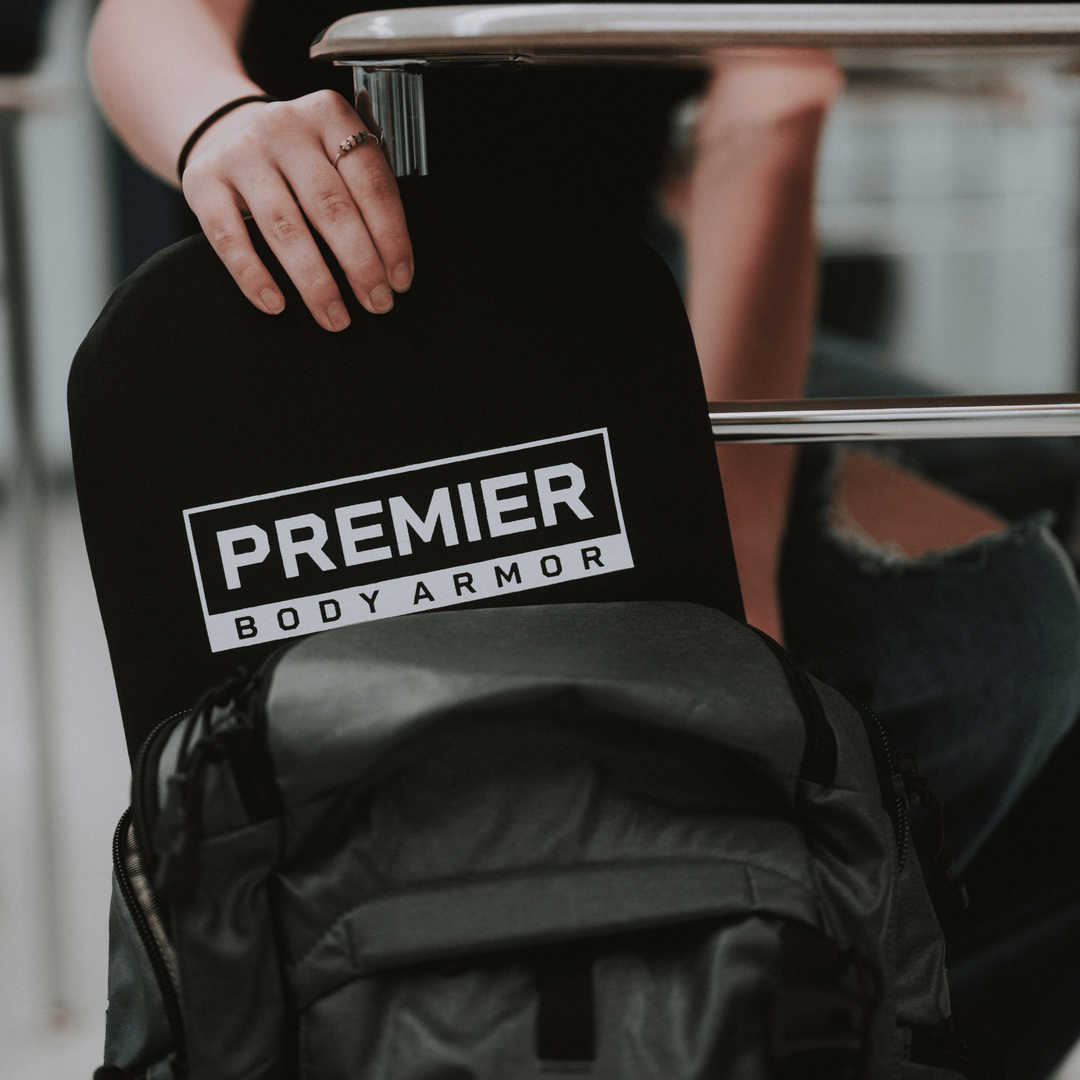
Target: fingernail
274,301
381,299
401,276
338,316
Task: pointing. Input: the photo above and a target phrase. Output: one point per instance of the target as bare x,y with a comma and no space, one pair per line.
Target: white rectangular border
398,596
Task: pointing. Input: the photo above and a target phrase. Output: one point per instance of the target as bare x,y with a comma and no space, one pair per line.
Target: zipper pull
947,892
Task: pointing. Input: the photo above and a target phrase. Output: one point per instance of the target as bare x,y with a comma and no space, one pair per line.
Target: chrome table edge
892,419
389,50
690,29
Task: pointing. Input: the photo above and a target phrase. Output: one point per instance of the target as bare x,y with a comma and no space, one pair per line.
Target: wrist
220,121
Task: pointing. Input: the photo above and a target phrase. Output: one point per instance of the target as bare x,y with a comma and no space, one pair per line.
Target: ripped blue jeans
970,657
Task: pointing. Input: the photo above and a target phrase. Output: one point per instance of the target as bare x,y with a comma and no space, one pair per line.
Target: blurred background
948,215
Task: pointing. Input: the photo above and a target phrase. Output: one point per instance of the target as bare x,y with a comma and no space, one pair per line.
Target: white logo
423,536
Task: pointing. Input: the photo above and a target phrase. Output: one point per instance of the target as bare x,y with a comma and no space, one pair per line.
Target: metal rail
892,419
389,50
558,33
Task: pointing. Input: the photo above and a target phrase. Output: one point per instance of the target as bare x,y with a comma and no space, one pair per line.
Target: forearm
159,67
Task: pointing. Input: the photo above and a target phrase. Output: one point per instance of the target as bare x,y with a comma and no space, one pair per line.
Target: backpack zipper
144,807
947,892
819,757
158,963
894,795
178,828
145,820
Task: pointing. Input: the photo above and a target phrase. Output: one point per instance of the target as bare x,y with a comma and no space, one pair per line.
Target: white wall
974,193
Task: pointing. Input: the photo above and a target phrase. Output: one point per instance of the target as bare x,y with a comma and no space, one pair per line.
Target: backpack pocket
517,900
734,997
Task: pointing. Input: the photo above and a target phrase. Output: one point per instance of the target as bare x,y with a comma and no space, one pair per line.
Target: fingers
316,196
372,186
277,163
223,225
282,224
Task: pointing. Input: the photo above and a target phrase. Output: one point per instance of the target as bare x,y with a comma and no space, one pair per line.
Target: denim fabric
972,660
971,657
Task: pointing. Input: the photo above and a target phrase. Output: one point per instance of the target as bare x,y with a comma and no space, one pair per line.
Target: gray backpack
630,841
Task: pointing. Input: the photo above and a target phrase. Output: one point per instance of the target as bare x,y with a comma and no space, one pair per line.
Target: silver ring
353,141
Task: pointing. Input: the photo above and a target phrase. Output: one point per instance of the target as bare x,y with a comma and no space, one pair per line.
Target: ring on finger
353,141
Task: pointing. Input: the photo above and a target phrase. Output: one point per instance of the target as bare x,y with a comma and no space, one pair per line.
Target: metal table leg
397,100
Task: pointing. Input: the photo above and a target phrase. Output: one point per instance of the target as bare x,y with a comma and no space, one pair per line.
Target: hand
274,162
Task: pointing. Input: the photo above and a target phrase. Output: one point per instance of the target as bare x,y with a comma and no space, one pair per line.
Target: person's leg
877,503
1014,958
878,556
746,212
1013,477
970,653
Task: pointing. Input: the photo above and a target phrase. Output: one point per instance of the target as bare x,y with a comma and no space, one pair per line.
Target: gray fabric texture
461,790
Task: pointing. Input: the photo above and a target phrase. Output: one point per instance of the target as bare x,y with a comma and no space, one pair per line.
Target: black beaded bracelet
213,118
